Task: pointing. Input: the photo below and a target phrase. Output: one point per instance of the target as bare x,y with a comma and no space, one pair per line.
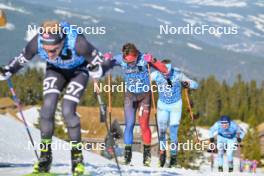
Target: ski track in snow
14,152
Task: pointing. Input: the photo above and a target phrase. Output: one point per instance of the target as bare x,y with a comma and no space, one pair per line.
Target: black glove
239,140
185,84
211,140
169,82
5,73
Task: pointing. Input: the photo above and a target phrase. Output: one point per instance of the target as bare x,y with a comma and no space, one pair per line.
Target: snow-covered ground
15,154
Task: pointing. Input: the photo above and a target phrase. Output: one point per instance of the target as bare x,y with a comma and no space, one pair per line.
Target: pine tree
186,133
251,144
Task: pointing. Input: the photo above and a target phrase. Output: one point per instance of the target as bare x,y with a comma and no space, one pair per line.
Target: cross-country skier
70,60
170,108
228,134
137,95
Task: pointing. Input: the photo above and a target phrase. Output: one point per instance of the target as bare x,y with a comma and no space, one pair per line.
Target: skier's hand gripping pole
18,105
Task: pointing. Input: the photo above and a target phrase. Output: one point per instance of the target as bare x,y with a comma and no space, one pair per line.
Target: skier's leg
230,152
163,117
220,147
130,113
71,99
52,86
175,118
144,114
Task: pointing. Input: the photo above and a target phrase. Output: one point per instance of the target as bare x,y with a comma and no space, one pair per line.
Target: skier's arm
240,132
191,83
110,63
155,63
22,59
213,129
93,57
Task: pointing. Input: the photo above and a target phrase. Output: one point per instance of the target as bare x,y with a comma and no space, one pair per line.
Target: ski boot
128,154
230,166
77,160
146,156
173,161
220,169
162,158
230,169
45,160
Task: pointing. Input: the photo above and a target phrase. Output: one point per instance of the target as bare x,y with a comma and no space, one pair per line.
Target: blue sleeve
240,132
117,59
213,129
193,84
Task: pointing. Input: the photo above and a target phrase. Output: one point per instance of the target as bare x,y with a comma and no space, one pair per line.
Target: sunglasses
130,58
52,50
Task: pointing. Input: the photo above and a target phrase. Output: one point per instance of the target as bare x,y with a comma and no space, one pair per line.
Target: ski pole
154,105
109,101
191,113
212,160
239,154
106,125
18,105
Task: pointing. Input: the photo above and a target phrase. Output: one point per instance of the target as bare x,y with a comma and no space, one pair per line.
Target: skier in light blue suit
228,134
170,107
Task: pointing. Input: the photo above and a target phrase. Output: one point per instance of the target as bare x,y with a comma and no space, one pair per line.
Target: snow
163,21
240,47
259,4
196,47
158,43
31,116
15,152
219,3
119,10
8,26
159,7
69,14
258,21
9,6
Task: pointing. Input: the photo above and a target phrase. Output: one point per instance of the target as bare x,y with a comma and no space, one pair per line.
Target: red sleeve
158,65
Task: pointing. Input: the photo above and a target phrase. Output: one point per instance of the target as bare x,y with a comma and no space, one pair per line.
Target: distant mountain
139,21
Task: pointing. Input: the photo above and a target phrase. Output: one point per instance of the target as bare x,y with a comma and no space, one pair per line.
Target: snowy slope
14,153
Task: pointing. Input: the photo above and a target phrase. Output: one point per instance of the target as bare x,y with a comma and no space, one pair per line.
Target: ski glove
148,58
108,56
95,71
95,67
239,140
211,140
5,73
185,84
